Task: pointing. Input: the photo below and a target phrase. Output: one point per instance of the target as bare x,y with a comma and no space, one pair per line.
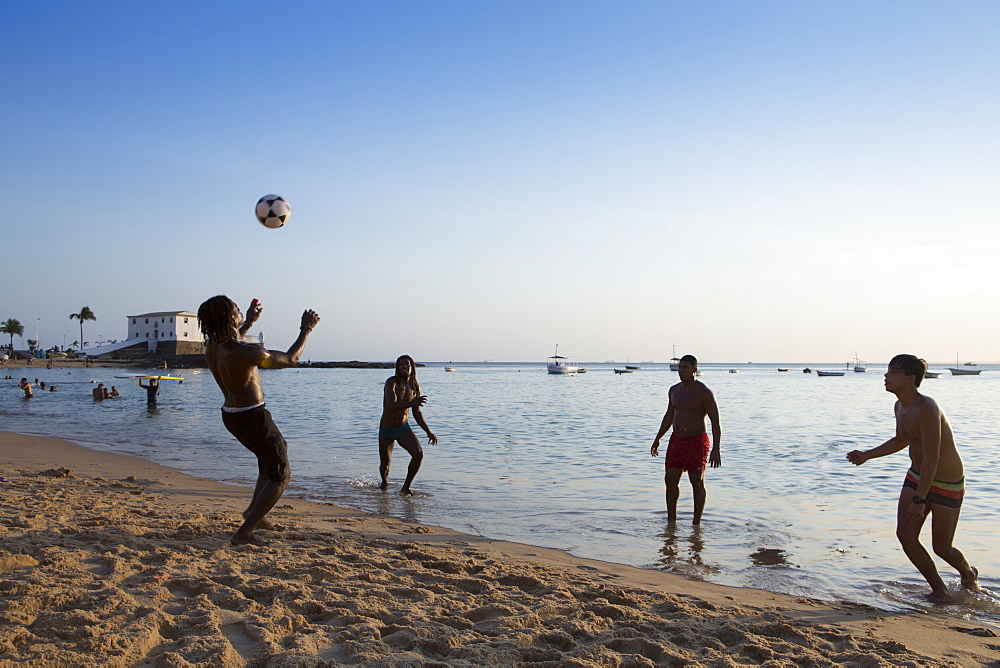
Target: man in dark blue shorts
234,364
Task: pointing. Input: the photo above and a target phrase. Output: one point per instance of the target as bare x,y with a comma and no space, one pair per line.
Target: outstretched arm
275,359
893,445
253,312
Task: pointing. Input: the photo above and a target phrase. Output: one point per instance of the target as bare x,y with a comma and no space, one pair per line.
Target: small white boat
581,370
958,371
859,366
820,372
734,371
560,365
450,368
675,362
932,374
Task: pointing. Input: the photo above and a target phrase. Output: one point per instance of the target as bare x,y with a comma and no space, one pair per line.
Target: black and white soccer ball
273,211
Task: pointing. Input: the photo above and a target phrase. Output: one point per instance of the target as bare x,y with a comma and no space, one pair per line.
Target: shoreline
345,586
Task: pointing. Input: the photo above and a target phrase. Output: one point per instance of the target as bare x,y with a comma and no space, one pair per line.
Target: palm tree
84,314
14,328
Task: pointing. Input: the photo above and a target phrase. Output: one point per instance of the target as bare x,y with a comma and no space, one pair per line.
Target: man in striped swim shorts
689,403
935,483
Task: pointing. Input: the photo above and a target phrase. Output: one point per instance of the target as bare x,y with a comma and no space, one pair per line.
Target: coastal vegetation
13,327
84,314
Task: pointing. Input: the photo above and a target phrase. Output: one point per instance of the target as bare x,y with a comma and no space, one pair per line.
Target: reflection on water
564,462
681,552
769,556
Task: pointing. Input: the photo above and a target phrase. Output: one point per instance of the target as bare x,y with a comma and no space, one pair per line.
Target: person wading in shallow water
401,393
152,389
935,483
234,365
690,402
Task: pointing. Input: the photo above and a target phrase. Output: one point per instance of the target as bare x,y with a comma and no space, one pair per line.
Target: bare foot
384,485
405,491
940,597
247,540
264,524
972,583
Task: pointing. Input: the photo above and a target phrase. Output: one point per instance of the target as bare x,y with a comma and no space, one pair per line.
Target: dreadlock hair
413,384
218,318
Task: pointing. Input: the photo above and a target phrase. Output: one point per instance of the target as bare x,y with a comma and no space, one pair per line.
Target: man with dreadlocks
401,393
234,364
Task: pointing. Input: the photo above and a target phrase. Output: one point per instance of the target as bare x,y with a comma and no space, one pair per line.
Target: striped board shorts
947,494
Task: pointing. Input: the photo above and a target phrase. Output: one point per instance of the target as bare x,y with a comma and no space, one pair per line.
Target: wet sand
111,560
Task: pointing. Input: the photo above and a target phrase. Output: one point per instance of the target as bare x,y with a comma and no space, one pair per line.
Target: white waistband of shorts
240,409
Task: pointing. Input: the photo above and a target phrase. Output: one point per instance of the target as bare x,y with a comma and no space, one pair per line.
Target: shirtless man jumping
400,394
690,401
234,365
935,483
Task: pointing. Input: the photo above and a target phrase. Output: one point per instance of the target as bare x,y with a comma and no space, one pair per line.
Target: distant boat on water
560,365
675,362
624,371
959,371
932,374
820,372
859,366
450,368
634,367
782,369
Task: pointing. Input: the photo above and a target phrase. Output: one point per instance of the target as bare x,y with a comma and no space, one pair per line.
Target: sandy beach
111,560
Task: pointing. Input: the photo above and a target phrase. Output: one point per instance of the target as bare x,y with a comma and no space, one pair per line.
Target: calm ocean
564,462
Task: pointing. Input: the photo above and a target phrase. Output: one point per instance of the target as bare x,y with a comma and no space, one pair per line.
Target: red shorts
687,454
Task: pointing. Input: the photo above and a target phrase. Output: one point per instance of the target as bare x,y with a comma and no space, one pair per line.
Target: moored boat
561,365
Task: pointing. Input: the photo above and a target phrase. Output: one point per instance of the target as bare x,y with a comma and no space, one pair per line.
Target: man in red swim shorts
690,401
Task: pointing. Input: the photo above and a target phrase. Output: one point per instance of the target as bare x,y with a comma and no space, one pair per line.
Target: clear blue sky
765,181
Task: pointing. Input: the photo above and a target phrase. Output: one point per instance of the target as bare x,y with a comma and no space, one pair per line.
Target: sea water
564,462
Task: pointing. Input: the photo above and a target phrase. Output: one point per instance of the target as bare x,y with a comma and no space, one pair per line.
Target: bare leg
265,496
908,533
672,478
944,521
409,442
384,460
263,524
697,479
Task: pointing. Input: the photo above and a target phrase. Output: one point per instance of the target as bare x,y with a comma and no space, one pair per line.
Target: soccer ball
273,211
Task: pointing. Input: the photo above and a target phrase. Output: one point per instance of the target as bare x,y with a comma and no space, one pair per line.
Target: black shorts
257,432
